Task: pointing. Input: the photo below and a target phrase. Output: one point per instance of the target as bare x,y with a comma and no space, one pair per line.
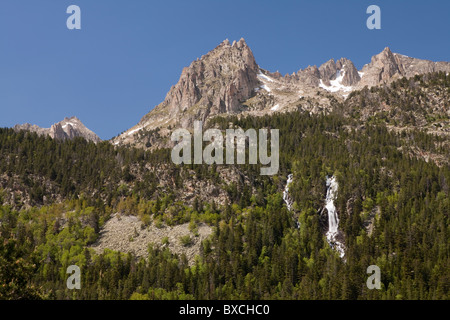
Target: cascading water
333,219
286,197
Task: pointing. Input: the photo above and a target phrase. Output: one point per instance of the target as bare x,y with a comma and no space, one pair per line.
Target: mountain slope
256,244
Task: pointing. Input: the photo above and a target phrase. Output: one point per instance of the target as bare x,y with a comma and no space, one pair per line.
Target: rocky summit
218,82
227,80
387,66
68,128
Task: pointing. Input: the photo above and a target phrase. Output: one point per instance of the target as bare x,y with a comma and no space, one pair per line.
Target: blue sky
130,52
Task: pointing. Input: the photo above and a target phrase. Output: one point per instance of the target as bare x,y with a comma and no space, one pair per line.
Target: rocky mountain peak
386,51
350,74
73,118
328,71
386,56
68,128
228,80
310,76
342,68
241,44
57,131
381,69
216,83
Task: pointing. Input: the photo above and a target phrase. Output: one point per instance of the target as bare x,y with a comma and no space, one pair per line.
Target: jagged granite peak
331,70
351,76
68,128
216,83
309,76
381,69
388,66
31,128
328,71
410,67
57,132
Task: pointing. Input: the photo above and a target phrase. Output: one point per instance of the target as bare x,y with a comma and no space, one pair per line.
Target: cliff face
217,83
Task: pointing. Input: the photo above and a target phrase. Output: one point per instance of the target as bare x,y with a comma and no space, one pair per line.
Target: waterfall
333,219
287,199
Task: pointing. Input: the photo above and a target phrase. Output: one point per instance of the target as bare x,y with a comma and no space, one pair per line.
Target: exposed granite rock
217,83
328,71
227,80
351,75
382,68
309,76
69,128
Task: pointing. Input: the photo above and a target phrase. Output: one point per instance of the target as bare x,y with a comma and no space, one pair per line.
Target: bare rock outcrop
386,67
69,128
227,80
351,76
216,83
382,68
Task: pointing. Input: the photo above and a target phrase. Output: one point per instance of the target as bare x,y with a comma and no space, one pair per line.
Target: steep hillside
392,209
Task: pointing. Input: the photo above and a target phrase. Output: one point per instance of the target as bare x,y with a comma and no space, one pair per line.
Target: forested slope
393,207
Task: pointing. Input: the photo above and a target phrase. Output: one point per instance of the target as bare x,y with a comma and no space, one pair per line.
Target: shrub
186,240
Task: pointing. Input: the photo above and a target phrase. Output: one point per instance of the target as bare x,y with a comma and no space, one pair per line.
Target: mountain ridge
68,128
227,80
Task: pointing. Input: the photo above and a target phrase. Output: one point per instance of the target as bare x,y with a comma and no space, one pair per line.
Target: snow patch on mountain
275,107
69,124
336,84
399,54
135,130
263,76
265,88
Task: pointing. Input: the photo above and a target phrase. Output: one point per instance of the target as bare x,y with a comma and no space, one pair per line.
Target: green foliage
165,241
186,240
256,251
16,270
